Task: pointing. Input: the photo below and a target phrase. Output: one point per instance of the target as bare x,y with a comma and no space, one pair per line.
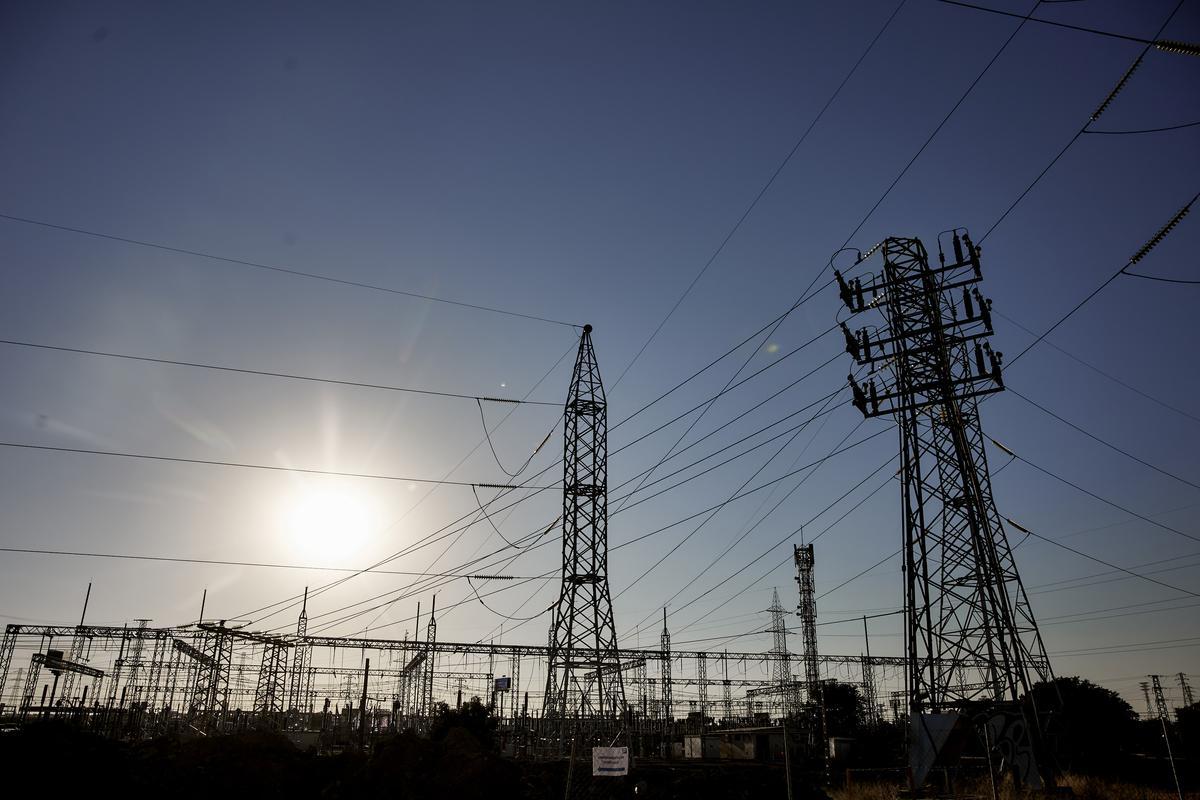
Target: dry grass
1085,788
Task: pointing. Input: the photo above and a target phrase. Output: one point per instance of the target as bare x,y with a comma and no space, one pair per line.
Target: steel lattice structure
965,603
781,665
582,633
805,562
300,680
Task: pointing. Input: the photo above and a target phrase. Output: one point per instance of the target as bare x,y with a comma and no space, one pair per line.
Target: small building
762,743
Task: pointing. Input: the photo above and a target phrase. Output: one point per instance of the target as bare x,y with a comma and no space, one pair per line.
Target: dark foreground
67,760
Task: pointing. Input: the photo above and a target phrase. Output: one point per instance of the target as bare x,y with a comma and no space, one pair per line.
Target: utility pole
971,638
583,635
668,712
362,708
1160,704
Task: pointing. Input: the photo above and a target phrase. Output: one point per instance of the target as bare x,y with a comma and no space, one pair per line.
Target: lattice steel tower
300,683
781,660
805,562
971,638
582,634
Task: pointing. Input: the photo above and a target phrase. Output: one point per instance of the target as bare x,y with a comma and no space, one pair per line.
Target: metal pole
362,708
787,758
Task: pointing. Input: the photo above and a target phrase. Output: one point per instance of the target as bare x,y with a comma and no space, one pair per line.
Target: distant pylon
1186,688
300,689
668,705
1145,686
583,635
781,665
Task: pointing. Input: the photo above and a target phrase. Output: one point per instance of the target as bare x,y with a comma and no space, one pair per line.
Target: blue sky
582,163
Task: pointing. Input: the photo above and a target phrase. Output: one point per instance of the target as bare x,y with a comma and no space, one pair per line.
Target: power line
1135,258
441,533
767,552
1081,28
523,548
719,508
269,467
1104,442
1101,372
270,374
1145,130
282,270
761,192
1159,278
942,124
1108,564
1095,116
1093,495
227,563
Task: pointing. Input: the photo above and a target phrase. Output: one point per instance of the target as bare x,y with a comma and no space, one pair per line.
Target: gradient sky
579,162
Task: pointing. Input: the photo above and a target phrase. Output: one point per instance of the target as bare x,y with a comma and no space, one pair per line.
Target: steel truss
972,641
583,634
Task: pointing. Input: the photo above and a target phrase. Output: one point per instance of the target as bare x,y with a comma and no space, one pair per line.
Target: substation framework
210,677
971,641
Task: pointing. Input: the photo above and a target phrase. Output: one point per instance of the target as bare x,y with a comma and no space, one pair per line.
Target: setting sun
327,524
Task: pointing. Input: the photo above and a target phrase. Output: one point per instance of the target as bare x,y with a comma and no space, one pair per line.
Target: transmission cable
1101,372
1104,442
269,467
1166,46
265,373
761,192
1135,258
281,270
719,508
1093,118
1145,130
1092,494
229,563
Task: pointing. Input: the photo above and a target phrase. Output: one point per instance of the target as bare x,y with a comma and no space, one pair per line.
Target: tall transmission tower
805,562
781,664
583,634
973,645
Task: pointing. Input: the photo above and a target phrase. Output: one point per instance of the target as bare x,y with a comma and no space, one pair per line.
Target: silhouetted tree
474,717
843,709
1187,727
1089,729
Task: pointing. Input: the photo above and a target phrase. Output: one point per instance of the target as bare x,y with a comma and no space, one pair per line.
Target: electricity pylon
973,645
583,636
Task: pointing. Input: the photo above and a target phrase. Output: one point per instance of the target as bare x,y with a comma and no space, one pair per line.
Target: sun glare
327,524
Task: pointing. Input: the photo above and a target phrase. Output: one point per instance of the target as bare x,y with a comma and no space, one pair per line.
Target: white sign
610,761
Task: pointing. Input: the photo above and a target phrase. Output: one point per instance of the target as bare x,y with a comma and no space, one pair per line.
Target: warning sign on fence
610,761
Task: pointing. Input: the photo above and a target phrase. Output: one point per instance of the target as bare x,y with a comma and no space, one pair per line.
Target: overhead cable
278,269
269,374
